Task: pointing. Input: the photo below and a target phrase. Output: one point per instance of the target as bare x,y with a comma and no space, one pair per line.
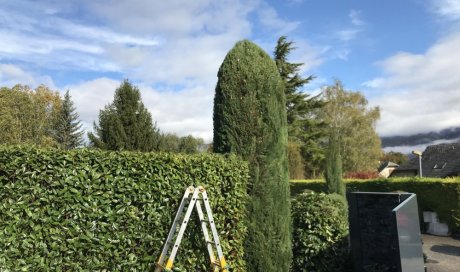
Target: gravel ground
443,253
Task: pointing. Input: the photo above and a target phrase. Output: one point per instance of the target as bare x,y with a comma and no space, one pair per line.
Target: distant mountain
421,138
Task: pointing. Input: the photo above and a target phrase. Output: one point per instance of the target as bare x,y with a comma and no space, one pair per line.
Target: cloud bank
419,92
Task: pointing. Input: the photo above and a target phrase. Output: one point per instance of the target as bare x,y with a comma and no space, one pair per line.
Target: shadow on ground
446,249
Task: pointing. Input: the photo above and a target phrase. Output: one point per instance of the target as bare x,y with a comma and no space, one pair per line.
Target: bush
320,232
433,194
96,210
362,175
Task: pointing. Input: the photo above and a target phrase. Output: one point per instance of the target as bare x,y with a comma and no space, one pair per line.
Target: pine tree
67,131
250,120
304,127
125,124
333,175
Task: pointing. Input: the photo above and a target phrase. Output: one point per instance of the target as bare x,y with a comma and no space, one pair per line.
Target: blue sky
402,54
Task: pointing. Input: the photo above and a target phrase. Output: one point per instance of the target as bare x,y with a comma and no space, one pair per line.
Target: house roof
387,164
442,160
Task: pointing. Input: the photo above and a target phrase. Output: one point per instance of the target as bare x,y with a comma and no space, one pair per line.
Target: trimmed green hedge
320,233
111,211
433,194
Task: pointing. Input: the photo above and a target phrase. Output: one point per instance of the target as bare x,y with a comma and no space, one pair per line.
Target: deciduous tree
349,116
27,115
396,157
170,142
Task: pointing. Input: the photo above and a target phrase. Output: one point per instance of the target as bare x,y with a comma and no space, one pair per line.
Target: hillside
421,138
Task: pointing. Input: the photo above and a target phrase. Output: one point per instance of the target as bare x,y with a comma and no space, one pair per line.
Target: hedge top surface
408,179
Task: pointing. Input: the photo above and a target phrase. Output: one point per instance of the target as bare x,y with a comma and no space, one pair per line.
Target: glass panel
409,237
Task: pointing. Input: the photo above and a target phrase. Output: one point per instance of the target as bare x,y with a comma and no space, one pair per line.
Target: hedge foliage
433,194
88,210
320,233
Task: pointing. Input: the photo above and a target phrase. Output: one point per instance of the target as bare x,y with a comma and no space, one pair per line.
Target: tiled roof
442,160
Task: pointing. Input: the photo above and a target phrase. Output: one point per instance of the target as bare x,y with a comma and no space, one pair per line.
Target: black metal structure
385,232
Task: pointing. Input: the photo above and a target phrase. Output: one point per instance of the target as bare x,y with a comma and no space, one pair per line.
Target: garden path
443,253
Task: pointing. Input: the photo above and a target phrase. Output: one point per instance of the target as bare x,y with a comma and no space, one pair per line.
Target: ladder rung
210,242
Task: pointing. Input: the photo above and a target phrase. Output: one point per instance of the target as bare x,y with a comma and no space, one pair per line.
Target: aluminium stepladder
195,197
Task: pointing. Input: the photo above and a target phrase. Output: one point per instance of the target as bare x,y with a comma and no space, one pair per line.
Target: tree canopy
27,115
350,118
67,130
170,142
125,124
305,129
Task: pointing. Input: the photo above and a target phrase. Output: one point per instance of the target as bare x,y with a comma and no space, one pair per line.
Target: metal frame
195,198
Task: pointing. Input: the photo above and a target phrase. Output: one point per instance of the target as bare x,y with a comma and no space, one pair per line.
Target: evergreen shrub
320,232
89,210
433,194
250,121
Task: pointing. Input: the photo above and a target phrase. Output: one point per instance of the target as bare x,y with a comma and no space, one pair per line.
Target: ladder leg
172,256
220,254
160,262
212,257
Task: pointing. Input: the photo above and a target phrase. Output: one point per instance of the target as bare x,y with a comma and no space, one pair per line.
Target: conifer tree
250,120
305,129
125,124
333,174
67,131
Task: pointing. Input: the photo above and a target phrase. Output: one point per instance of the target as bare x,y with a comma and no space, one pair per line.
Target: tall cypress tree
304,127
250,120
125,124
333,174
67,131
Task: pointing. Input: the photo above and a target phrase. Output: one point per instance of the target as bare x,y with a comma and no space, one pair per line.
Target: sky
401,54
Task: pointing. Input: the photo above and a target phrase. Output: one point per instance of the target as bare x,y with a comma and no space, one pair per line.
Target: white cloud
348,34
355,19
186,112
268,16
174,17
374,83
11,75
419,92
449,9
91,96
356,25
57,43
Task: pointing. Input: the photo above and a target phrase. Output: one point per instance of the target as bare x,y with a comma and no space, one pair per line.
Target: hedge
89,210
433,194
320,233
